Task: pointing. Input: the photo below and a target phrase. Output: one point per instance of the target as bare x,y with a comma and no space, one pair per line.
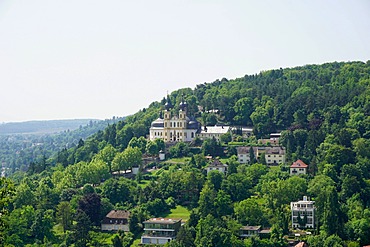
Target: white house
209,132
160,230
303,213
244,154
217,165
298,167
275,155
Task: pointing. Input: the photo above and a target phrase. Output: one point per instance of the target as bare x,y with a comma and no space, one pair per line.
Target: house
249,231
303,213
275,155
174,128
209,132
160,230
217,165
298,167
116,220
244,154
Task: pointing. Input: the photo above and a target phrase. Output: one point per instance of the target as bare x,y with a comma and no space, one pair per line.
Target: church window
192,134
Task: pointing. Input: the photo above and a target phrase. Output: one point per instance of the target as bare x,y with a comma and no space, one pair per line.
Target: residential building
244,154
160,230
275,155
116,220
217,165
303,213
174,128
209,132
249,231
298,167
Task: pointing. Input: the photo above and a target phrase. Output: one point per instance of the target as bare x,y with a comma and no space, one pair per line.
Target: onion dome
168,104
183,105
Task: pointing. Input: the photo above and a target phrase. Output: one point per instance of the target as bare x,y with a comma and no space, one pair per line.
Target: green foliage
324,110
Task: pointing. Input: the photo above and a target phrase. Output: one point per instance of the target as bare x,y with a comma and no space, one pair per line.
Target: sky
98,59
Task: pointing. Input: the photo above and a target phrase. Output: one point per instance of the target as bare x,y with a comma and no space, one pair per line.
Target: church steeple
183,105
168,106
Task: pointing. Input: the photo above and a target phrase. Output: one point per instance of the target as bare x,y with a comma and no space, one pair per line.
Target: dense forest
322,112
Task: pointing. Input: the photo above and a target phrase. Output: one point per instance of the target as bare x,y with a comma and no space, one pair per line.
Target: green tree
42,225
81,229
243,109
64,215
222,204
6,193
249,212
206,199
130,157
215,177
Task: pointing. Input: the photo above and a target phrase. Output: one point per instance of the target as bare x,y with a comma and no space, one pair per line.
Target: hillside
323,112
43,127
26,142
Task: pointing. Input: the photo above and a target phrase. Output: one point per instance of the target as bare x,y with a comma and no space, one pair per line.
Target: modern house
298,167
116,220
160,230
303,213
249,231
217,165
209,132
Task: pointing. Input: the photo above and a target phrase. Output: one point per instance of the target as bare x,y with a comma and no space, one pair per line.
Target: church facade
174,128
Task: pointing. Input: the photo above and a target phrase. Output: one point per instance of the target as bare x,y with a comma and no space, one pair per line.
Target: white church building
174,128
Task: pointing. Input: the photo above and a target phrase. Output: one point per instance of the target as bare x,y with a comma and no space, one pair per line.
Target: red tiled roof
299,164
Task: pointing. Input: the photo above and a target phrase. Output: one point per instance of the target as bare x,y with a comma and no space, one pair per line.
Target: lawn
179,212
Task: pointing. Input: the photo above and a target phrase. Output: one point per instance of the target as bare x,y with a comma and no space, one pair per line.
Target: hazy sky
98,59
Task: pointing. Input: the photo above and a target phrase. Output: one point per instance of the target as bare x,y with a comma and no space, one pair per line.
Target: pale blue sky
98,59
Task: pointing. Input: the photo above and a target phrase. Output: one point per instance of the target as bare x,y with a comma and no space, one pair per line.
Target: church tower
183,120
167,120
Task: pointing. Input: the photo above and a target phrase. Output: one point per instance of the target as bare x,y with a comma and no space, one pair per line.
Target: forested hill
331,95
323,112
43,127
26,142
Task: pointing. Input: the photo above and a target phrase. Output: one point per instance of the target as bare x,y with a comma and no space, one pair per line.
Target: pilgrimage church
175,128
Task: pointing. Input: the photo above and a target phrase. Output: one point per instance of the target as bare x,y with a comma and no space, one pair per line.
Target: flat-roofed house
303,213
160,230
249,231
